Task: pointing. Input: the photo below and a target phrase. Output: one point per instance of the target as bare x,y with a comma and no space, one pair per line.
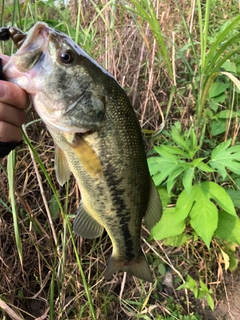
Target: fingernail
2,89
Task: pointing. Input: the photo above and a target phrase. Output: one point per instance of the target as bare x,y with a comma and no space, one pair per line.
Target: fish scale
97,137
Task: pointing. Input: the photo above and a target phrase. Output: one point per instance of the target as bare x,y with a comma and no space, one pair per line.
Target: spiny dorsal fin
154,209
86,226
61,166
86,155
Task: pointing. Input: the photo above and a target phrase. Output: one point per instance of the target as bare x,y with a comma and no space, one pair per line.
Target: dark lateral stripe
124,224
117,194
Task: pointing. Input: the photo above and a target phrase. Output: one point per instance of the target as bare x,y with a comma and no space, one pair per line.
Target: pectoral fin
61,166
85,226
154,210
86,155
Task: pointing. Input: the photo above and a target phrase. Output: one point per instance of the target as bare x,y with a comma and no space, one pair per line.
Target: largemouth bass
97,136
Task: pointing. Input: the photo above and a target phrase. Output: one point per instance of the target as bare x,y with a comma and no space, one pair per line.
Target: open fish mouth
35,38
34,43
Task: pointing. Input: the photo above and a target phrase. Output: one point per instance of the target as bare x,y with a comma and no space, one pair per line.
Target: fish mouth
32,47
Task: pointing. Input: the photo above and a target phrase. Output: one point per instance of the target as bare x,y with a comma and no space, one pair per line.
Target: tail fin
138,267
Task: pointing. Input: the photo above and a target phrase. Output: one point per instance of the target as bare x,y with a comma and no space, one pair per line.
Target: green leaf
204,217
226,114
216,192
229,66
224,156
204,288
167,226
204,167
172,177
190,284
188,179
210,301
166,152
159,177
165,197
228,227
218,127
177,241
170,150
235,196
184,203
217,88
178,139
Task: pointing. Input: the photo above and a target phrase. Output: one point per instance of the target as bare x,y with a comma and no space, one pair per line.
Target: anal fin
86,226
154,209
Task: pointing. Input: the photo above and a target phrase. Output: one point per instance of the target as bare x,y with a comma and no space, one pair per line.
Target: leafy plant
200,291
202,204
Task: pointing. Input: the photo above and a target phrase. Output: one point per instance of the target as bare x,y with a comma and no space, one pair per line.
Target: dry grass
129,52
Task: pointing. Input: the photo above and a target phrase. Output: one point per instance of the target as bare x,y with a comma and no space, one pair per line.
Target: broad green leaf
159,177
229,66
226,114
185,203
165,197
165,153
159,164
167,226
213,191
177,241
228,227
188,179
197,161
218,127
172,177
224,156
221,148
217,88
235,196
204,217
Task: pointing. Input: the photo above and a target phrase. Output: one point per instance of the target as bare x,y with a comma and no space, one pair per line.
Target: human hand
13,101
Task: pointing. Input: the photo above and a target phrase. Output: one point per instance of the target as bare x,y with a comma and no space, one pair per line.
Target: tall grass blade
11,161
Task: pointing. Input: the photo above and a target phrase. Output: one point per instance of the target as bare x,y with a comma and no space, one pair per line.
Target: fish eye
66,57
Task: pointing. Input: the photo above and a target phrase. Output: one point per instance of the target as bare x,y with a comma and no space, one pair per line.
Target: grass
45,270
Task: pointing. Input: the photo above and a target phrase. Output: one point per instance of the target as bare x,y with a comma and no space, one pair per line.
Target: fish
97,138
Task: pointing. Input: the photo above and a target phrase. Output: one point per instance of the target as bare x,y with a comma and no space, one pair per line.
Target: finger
9,133
12,94
12,115
4,58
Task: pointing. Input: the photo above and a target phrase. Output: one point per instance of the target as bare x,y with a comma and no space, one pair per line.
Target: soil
228,305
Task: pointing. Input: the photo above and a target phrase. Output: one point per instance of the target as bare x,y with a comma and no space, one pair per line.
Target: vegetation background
179,63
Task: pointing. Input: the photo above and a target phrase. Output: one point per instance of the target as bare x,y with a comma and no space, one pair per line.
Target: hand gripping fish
97,136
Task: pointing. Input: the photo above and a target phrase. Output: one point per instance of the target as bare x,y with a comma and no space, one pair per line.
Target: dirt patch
228,305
